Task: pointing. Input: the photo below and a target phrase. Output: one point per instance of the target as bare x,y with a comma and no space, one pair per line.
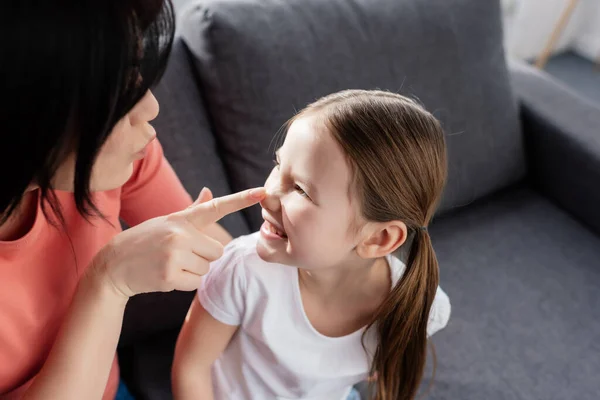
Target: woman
76,154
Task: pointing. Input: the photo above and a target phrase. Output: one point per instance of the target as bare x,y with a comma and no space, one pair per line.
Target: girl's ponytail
401,325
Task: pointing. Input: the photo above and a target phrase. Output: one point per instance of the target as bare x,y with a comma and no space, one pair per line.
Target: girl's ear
382,239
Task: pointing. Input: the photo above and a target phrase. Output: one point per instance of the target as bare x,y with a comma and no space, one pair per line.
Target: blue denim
354,395
123,392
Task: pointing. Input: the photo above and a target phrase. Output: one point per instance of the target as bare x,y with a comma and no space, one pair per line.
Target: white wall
587,43
533,23
530,25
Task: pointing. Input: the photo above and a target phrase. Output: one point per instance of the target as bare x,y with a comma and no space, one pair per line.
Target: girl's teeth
275,230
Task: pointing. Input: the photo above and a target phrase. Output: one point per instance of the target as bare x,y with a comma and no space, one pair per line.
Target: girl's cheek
299,219
298,213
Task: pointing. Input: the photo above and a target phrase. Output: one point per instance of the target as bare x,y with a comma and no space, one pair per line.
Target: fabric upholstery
186,135
523,278
261,60
148,366
563,142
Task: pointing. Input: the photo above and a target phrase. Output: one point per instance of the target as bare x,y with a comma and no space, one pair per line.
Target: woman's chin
105,182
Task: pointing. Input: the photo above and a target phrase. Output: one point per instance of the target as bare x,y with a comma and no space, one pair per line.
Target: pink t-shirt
39,272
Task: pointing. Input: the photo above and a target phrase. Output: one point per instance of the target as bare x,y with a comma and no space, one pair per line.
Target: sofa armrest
562,137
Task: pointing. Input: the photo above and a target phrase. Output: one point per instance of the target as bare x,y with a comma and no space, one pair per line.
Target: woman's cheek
114,164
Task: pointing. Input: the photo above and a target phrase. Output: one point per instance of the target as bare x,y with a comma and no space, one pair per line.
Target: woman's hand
171,252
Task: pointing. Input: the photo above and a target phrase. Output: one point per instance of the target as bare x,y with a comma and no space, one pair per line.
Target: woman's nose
272,202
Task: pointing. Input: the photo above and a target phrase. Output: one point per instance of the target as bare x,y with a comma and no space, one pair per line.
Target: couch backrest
261,60
184,131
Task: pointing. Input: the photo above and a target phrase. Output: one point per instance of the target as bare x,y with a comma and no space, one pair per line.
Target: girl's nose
272,202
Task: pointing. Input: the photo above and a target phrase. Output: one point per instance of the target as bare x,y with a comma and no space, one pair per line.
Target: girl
315,302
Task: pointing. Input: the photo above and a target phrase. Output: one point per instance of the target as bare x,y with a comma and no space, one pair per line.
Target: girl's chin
273,252
266,252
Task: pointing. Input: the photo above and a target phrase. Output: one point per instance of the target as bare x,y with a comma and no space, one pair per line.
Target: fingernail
258,193
202,191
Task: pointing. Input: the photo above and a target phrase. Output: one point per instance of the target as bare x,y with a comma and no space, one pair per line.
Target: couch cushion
186,135
560,124
260,60
524,281
148,366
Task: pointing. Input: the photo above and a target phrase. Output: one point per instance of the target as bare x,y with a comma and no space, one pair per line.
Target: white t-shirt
276,353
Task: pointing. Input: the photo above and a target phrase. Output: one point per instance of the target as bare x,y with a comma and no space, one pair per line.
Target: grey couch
517,234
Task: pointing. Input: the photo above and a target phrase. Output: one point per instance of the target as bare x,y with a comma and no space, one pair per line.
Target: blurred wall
529,23
587,42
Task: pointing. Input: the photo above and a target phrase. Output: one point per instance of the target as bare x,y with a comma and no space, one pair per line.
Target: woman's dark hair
398,155
70,71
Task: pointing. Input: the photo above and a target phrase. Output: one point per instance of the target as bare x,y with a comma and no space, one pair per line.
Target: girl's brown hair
398,155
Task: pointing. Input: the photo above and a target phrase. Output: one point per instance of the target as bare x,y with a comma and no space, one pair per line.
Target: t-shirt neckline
300,305
33,231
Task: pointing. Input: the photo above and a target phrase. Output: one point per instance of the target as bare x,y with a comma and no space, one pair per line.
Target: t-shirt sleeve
223,290
439,313
153,189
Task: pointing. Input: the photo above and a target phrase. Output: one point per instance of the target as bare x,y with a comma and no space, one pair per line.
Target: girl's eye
300,191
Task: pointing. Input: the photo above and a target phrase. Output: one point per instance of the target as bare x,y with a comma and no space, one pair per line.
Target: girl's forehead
311,150
308,138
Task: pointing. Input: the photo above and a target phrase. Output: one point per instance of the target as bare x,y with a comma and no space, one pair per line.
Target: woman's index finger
204,214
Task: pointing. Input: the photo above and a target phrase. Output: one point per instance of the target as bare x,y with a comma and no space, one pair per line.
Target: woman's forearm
80,360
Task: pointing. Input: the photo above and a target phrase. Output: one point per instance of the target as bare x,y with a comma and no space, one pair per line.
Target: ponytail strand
401,325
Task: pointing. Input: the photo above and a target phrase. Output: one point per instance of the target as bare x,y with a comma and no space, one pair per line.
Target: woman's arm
201,342
162,254
81,358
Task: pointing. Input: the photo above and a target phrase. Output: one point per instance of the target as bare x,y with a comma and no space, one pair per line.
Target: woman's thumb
204,196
